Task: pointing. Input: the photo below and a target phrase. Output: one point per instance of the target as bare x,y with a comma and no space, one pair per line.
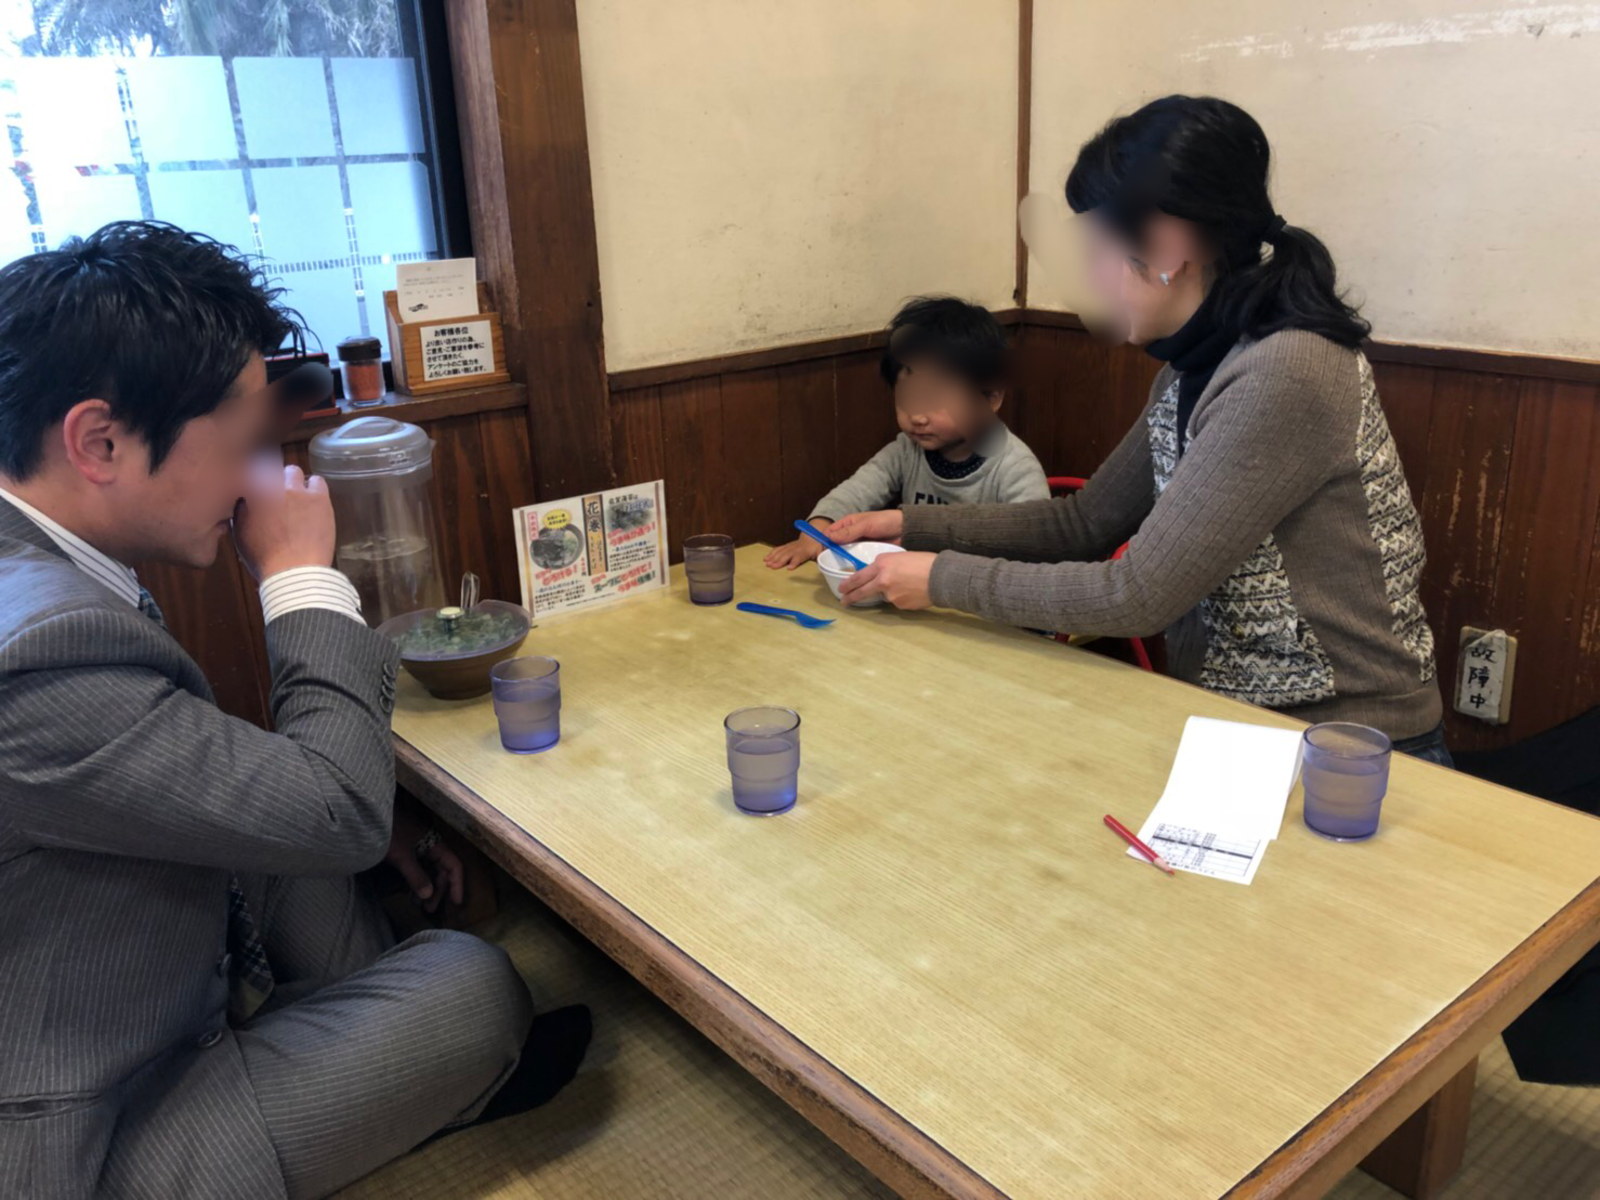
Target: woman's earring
1166,279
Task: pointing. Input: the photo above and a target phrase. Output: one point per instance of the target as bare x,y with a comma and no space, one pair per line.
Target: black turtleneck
1194,352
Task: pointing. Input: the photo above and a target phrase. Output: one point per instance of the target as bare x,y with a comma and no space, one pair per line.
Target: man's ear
95,442
996,397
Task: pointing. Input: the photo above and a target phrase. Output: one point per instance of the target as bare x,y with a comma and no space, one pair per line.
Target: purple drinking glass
527,703
764,759
708,565
1344,769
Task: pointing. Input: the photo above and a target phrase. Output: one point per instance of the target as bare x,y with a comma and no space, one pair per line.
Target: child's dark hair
155,321
1206,160
963,338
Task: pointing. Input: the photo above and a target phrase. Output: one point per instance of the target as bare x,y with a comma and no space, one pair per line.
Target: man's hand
285,521
448,876
792,554
884,526
902,579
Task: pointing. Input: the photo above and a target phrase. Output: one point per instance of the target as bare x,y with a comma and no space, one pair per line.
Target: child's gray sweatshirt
1002,470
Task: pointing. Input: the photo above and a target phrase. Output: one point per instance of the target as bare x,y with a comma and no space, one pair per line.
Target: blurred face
179,513
938,410
1126,282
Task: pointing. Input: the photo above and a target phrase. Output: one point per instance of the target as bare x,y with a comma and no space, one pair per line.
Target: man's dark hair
154,321
962,338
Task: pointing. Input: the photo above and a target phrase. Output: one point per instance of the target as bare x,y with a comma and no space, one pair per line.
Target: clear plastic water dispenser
379,472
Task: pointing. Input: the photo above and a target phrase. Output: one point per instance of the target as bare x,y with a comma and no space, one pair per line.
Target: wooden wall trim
756,360
1487,362
1019,294
1492,362
519,97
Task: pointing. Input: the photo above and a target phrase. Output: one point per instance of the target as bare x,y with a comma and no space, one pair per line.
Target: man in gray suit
196,998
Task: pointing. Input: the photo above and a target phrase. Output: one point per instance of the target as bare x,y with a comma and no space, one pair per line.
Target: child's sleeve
1021,478
876,485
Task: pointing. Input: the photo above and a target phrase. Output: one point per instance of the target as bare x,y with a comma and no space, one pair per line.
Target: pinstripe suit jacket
126,800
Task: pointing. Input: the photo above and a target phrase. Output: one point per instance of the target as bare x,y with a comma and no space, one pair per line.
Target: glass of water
708,564
1344,769
527,703
764,759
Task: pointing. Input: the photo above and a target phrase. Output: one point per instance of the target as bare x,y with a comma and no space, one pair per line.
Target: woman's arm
1281,423
1089,525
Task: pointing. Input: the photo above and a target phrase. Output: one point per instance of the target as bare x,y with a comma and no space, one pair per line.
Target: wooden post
1421,1156
519,99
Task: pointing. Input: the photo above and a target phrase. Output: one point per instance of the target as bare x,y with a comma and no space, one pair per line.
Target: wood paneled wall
1502,454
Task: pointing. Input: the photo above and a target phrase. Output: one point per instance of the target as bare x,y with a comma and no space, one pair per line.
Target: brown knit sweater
1281,551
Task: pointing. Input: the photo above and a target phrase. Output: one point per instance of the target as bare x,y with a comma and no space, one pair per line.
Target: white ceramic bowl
835,570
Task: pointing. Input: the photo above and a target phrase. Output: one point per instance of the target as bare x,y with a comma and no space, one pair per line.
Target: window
299,130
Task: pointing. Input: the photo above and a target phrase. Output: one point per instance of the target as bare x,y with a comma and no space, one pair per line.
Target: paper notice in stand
590,550
432,291
1224,800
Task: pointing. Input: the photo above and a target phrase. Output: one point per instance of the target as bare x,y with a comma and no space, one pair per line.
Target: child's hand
792,554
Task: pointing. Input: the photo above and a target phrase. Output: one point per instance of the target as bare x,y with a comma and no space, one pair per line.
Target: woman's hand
884,526
902,579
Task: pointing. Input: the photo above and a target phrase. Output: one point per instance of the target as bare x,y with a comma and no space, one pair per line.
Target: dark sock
557,1042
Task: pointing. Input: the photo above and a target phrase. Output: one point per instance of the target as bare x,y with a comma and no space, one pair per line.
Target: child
946,361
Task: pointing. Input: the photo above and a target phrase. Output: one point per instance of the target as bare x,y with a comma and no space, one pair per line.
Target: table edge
1337,1139
894,1150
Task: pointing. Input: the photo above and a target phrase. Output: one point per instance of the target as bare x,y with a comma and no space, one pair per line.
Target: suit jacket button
223,964
209,1039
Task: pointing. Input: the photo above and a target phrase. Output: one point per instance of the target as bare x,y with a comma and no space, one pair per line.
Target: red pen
1128,836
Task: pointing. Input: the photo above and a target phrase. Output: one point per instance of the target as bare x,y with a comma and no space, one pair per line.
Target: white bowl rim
880,548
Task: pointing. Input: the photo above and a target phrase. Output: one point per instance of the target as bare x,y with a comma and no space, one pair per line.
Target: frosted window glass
181,105
284,102
392,209
70,203
327,301
302,214
378,111
375,280
211,202
71,112
14,239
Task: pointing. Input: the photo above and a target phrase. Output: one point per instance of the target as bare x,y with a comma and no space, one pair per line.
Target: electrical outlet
1483,680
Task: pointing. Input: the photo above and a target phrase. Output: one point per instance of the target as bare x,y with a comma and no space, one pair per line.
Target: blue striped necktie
250,979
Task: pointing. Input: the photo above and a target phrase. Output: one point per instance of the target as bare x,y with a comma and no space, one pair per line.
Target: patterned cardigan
1281,551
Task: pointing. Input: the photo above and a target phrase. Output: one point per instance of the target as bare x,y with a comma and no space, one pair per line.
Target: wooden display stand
406,346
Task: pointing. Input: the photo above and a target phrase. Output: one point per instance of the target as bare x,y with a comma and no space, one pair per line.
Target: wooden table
943,959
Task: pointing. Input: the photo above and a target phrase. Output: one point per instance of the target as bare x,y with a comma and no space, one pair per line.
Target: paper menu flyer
429,291
586,551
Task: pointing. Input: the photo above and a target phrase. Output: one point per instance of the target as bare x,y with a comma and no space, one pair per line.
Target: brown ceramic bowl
457,668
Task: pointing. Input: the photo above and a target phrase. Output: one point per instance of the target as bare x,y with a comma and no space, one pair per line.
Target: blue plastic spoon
811,531
766,610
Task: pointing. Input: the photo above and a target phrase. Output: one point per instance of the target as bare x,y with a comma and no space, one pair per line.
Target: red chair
1065,485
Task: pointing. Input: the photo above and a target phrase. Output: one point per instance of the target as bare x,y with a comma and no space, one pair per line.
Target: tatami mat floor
659,1113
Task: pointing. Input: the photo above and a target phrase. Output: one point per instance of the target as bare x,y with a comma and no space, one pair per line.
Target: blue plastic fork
766,610
811,531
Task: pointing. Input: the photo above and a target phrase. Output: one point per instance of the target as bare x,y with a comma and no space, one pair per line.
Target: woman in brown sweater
1270,530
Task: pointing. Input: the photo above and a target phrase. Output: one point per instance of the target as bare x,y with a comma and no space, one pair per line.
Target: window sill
418,409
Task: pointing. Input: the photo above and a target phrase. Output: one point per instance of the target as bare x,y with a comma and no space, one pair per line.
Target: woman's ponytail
1206,161
1292,286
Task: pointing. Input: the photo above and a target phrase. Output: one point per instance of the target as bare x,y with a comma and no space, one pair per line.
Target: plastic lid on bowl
369,446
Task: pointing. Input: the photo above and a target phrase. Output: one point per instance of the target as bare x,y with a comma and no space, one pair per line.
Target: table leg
1420,1157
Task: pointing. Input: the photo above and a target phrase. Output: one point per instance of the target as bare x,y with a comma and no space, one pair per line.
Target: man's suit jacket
127,799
